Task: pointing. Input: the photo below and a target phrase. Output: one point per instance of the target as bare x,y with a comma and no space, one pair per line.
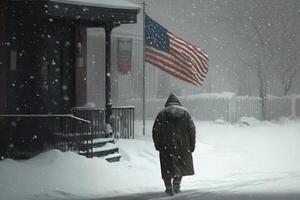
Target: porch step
108,148
105,148
113,157
100,142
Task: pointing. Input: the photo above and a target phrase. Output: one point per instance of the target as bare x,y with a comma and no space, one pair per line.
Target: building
43,63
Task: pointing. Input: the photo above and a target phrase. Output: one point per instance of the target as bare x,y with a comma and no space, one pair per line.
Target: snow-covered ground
256,161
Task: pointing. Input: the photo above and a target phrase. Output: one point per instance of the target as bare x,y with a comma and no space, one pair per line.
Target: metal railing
38,132
95,115
122,120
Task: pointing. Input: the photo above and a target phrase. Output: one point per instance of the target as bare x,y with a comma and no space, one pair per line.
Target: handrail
97,108
62,131
122,106
94,115
122,120
46,115
87,108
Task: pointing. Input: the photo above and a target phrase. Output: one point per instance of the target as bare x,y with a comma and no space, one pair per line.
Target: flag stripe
194,54
186,47
191,53
199,66
187,67
197,50
178,54
177,59
172,72
171,63
181,56
163,67
171,66
174,55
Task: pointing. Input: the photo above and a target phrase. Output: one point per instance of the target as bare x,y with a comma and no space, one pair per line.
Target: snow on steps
105,148
113,157
99,142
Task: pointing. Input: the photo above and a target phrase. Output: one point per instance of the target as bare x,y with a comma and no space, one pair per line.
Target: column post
108,100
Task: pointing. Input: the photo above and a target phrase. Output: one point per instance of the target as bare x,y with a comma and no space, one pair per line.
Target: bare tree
262,84
273,26
268,36
249,26
284,44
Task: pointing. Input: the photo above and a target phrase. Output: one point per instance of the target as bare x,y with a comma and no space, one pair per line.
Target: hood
173,107
172,100
175,111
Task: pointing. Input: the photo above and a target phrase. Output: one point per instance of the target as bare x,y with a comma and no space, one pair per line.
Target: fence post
232,109
293,106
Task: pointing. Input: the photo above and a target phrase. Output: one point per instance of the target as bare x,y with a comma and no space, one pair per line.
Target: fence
226,107
23,135
122,120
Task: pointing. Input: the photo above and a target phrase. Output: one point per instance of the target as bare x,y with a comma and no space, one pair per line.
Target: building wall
96,67
44,81
4,55
81,65
124,86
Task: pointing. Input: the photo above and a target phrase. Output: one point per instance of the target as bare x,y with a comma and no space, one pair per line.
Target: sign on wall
124,55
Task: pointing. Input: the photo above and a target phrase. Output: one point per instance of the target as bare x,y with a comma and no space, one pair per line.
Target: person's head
172,100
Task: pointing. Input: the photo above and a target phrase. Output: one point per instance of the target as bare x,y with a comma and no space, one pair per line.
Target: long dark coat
174,137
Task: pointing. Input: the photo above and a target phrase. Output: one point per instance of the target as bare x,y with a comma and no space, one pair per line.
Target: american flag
174,55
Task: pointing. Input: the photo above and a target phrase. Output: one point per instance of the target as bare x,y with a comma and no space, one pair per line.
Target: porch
82,131
45,77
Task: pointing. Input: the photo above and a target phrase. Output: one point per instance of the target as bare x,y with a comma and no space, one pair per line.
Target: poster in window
124,55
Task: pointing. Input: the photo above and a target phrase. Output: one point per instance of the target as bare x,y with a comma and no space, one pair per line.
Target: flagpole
144,87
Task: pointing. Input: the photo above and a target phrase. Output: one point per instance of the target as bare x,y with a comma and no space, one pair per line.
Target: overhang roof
120,4
98,12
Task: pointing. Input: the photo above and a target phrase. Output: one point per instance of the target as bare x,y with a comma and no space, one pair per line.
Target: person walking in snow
174,137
